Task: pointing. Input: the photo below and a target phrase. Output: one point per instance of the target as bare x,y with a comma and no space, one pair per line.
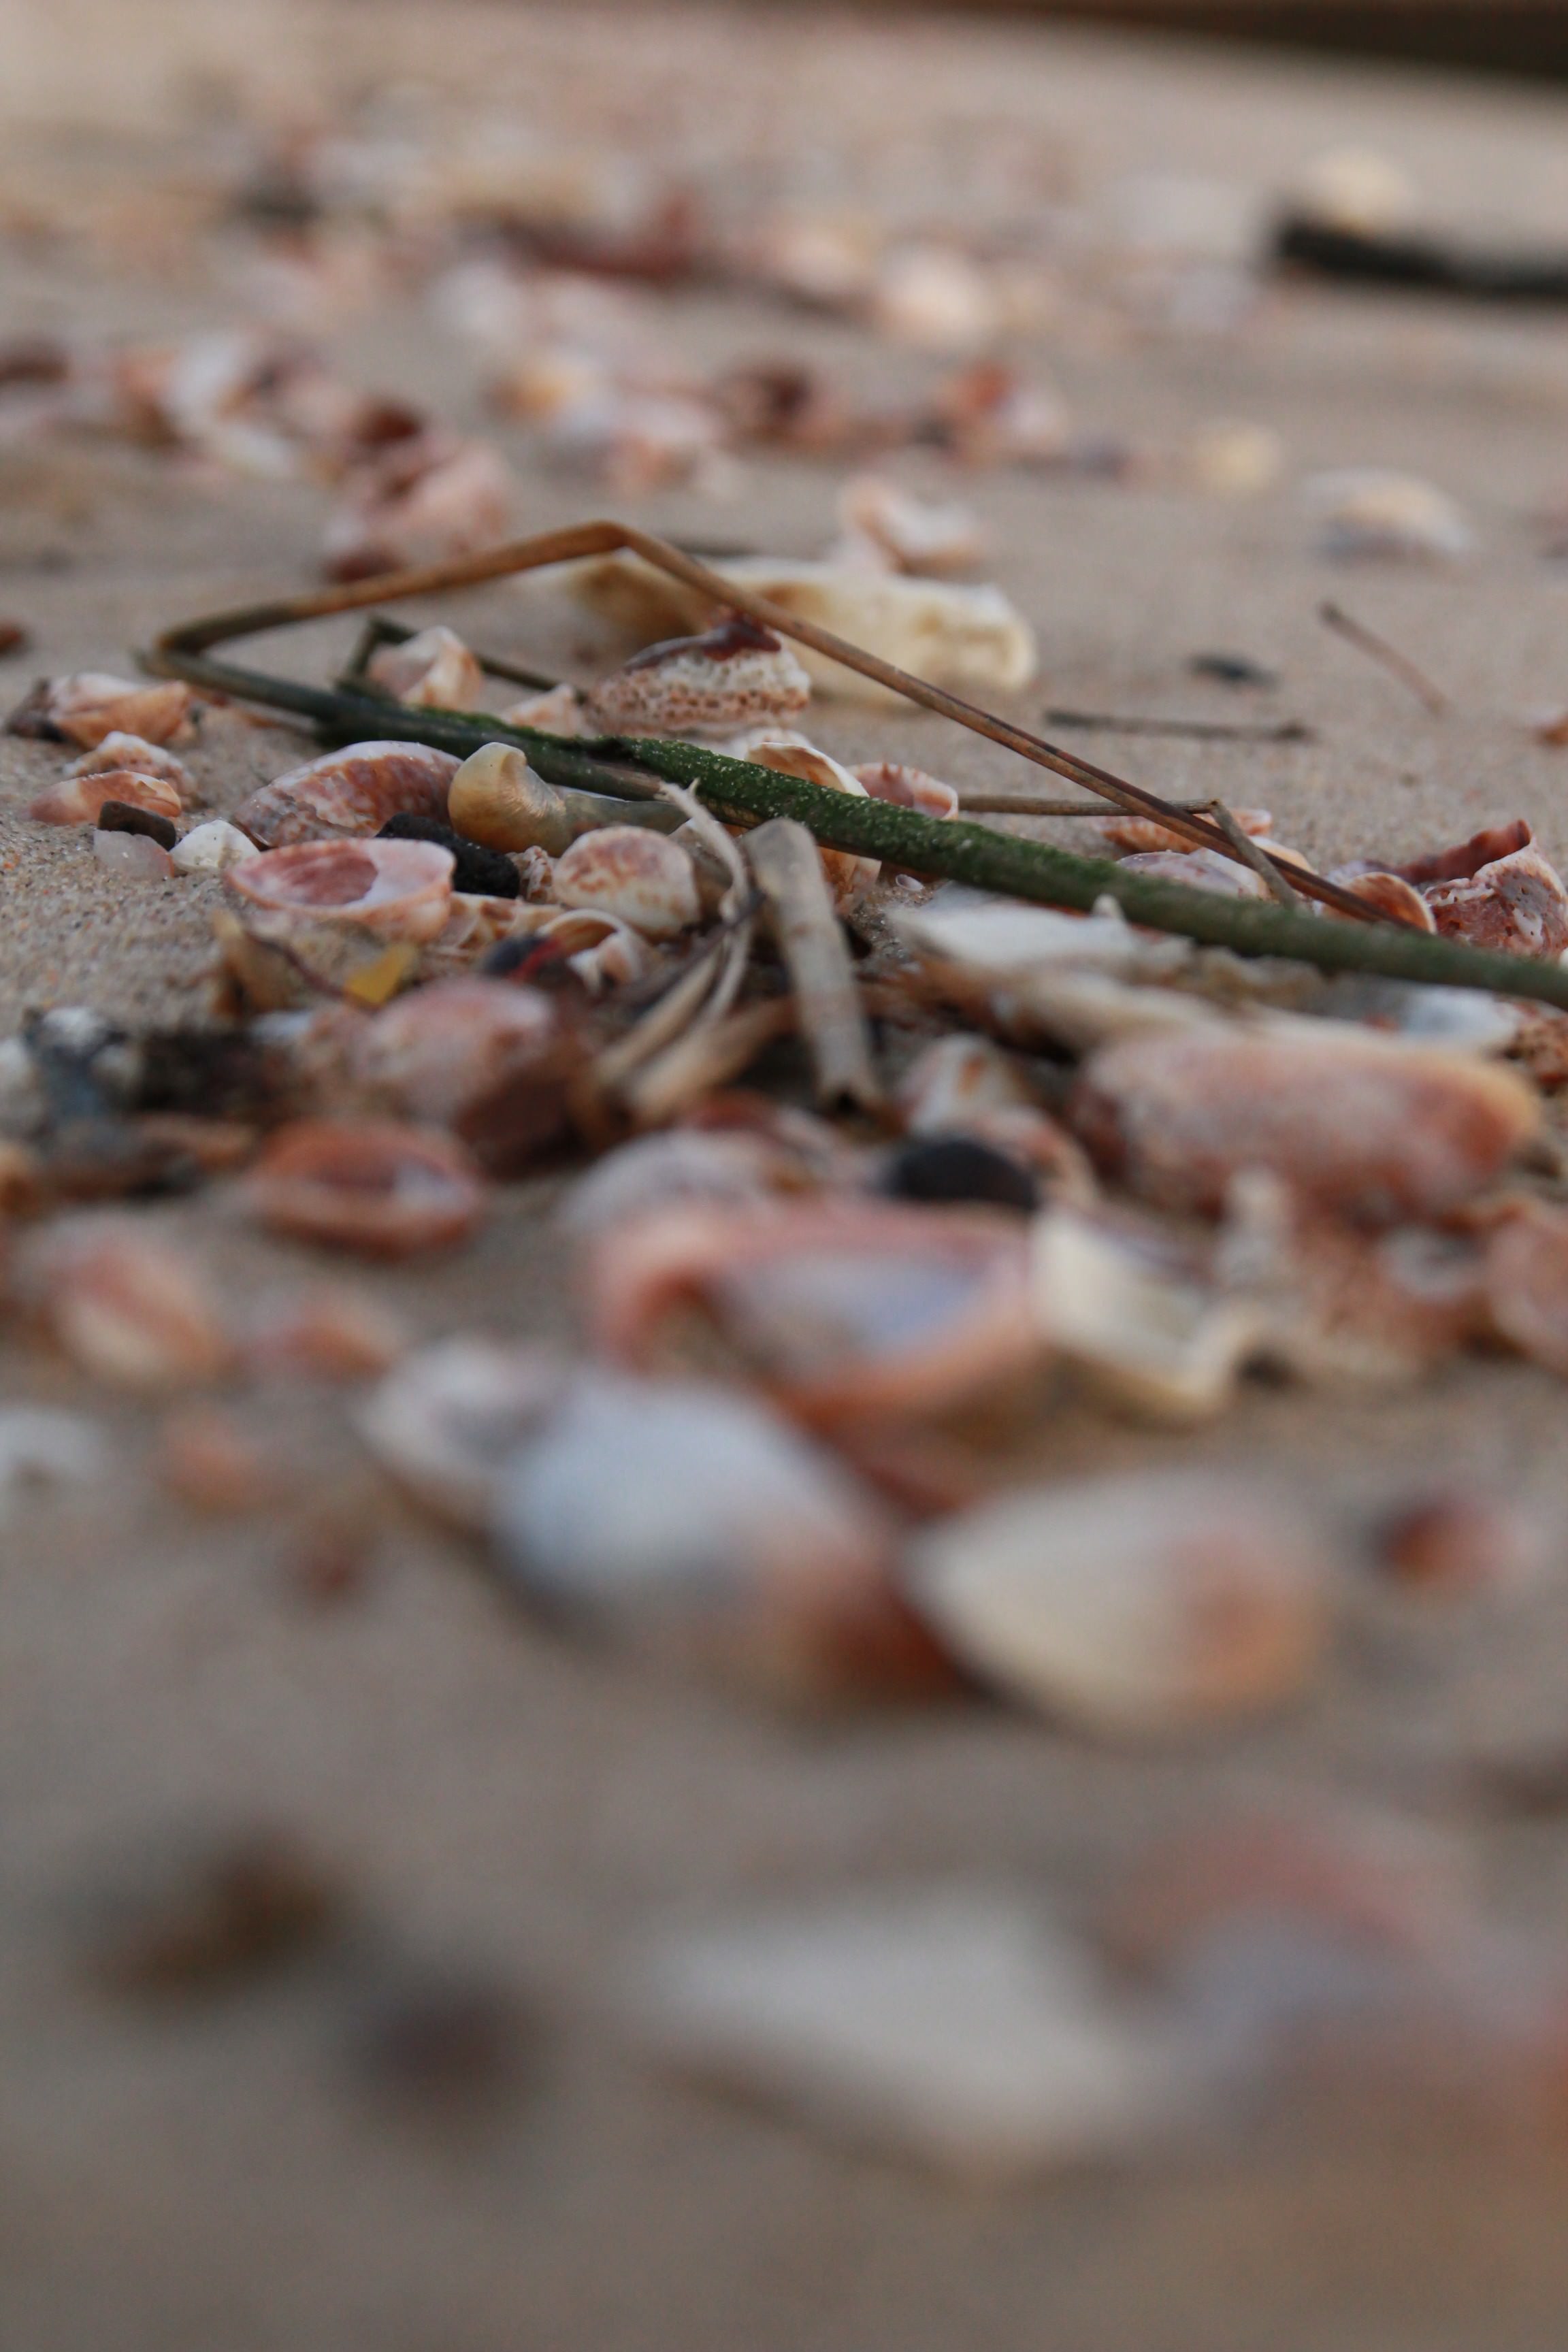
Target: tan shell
346,794
560,711
89,705
1143,1605
642,876
736,675
839,1309
371,1185
119,751
1394,899
125,1307
788,755
398,889
1130,837
1363,1126
209,848
496,799
906,787
76,800
433,670
441,1050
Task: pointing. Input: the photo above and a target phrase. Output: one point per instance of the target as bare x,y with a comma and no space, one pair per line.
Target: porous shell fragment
1153,1604
737,674
432,670
625,870
1516,905
346,794
397,889
375,1186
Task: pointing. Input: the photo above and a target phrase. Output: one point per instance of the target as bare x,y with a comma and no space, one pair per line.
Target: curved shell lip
77,799
384,1187
399,887
348,794
682,1255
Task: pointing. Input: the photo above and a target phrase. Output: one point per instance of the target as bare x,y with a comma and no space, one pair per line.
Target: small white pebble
208,848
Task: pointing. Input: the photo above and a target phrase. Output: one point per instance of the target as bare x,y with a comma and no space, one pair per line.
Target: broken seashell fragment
906,787
1464,858
1366,1127
124,1306
373,1185
440,1052
644,877
966,1086
119,751
398,889
789,754
446,1422
1129,1308
77,800
1369,513
433,670
724,1539
1527,1283
840,1309
1389,895
134,856
347,794
210,848
683,1167
560,711
889,526
737,674
1146,1605
207,1458
428,496
326,1331
1130,837
496,799
89,705
1200,869
1516,905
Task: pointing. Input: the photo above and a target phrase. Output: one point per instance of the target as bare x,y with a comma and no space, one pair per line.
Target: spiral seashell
347,794
372,1185
737,675
89,705
441,1050
496,799
77,800
119,751
398,889
624,869
906,787
431,671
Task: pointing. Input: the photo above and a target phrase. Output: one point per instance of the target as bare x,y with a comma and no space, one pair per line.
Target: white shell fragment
628,871
889,527
737,675
1370,512
1152,1334
1152,1605
210,848
949,2024
133,755
446,1420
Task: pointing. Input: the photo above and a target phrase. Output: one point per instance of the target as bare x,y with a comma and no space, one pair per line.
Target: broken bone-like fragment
433,670
349,793
737,674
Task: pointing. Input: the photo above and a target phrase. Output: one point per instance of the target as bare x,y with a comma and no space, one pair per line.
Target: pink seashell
371,1185
1395,898
399,889
1468,857
788,755
905,787
346,794
438,1051
89,705
432,671
627,870
125,1307
428,497
560,711
77,800
120,751
1516,906
838,1309
736,675
1363,1126
1131,836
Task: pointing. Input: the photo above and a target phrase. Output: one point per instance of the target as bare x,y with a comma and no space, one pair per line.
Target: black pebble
1232,669
488,873
124,816
957,1168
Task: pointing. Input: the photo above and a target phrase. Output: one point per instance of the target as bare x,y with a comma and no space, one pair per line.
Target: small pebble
122,816
956,1168
134,856
212,1913
484,873
1232,669
208,848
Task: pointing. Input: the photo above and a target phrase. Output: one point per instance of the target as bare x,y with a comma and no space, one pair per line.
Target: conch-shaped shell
1145,1605
438,1051
1365,1126
737,675
119,751
398,889
906,787
624,869
372,1185
346,794
125,1307
77,800
89,705
433,671
841,1309
496,799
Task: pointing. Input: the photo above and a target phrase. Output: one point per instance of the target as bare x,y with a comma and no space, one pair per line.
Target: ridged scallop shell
907,787
438,1051
398,889
346,794
77,800
644,877
736,675
372,1185
1362,1126
433,670
1147,1605
119,751
89,704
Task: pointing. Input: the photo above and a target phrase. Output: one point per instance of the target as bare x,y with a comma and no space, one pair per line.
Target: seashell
446,1420
397,889
903,533
947,2024
124,1306
1373,1307
327,1331
1516,905
1145,1605
724,1539
645,878
905,787
77,800
89,705
1371,512
788,755
968,637
433,670
132,856
1527,1282
1131,836
1443,1541
841,1309
1366,1127
211,848
373,1185
560,711
207,1458
1200,869
1359,191
428,497
119,751
42,1446
440,1051
935,299
1468,857
496,799
987,416
345,795
1128,1307
736,675
1396,900
966,1086
684,1167
119,816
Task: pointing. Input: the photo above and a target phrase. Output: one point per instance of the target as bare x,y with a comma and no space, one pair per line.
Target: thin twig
1197,730
1248,851
1025,805
1378,649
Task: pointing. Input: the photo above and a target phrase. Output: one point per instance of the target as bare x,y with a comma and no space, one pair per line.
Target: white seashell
1369,511
1234,459
904,532
446,1420
1200,869
209,848
906,787
736,675
119,750
1152,1335
1359,190
949,2024
625,870
1149,1605
433,670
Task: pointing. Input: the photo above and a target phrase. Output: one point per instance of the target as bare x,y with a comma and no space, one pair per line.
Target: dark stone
486,873
941,1168
124,816
1232,669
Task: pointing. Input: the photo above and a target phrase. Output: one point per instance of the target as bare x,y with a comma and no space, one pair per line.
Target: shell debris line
802,1247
